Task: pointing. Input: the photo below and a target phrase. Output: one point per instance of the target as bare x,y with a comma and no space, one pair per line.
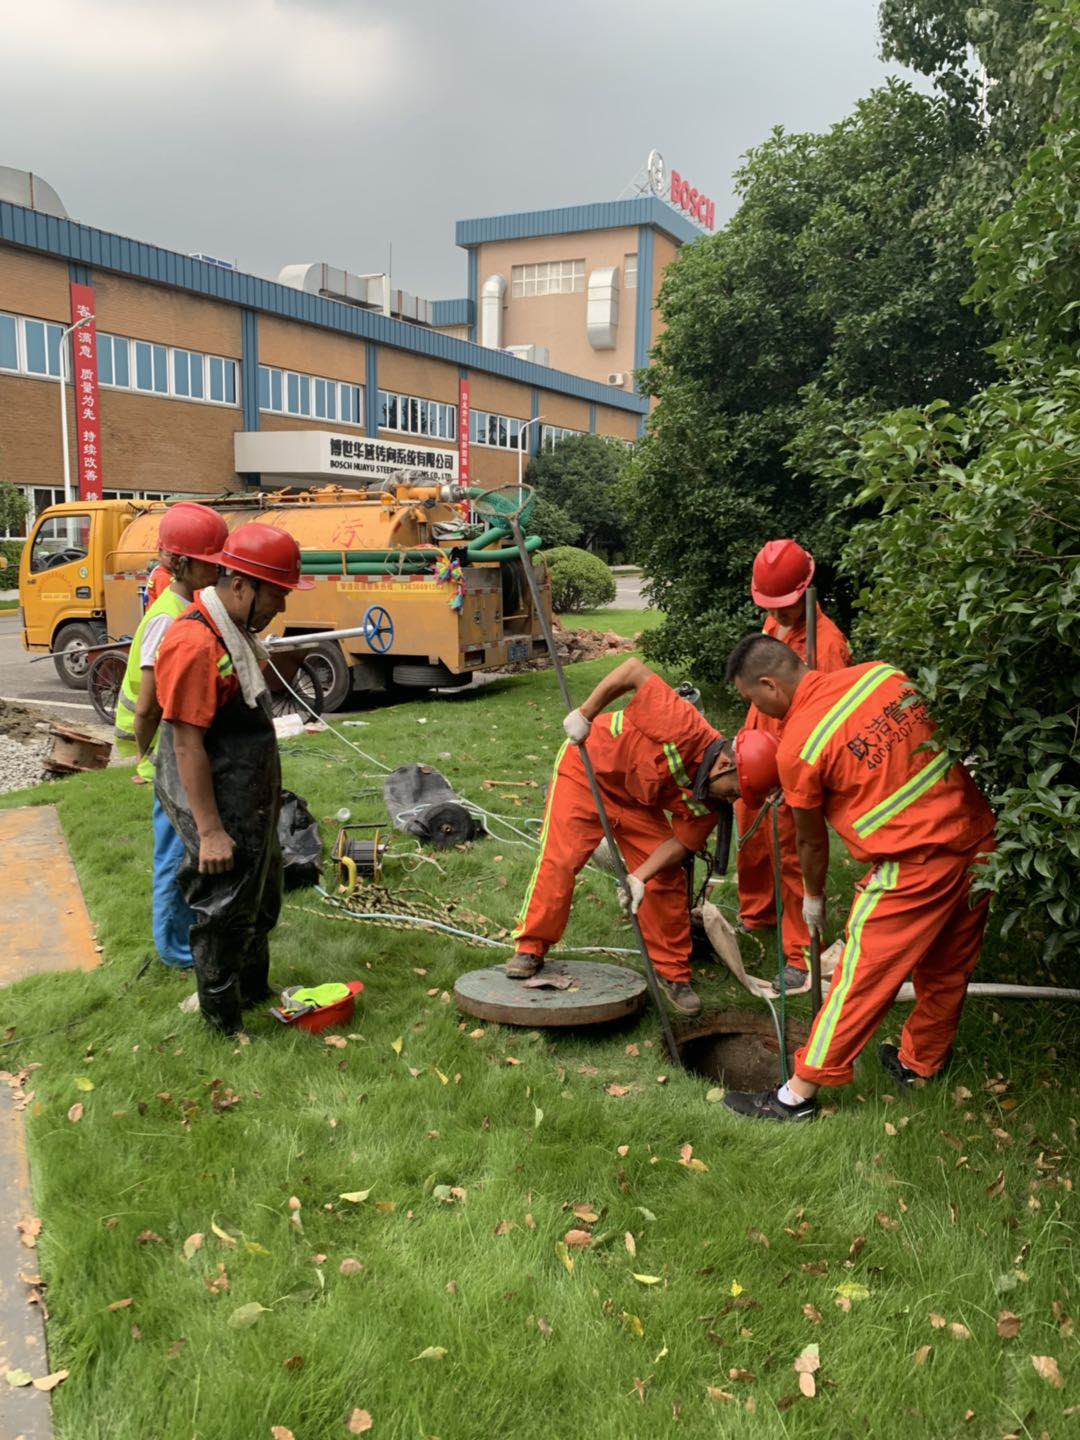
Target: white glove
813,912
577,727
631,905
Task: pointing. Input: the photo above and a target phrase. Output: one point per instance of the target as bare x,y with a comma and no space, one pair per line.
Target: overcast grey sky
275,131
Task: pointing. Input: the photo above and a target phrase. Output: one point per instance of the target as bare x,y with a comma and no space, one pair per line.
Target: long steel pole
598,799
811,660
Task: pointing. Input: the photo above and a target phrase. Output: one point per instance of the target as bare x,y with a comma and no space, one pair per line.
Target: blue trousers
172,914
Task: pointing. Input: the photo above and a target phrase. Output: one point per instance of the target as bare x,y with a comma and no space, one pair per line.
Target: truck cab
62,580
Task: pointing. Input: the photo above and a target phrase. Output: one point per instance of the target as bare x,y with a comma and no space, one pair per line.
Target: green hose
358,568
532,543
334,557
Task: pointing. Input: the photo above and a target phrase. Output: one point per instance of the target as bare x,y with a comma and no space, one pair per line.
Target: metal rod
811,660
314,637
598,799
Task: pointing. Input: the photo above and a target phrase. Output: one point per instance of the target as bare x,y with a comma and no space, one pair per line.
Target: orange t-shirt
856,743
160,580
649,753
193,671
832,654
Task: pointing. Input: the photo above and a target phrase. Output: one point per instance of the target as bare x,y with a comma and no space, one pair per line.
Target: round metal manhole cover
575,992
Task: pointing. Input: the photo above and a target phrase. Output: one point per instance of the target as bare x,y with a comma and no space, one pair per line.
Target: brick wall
416,375
153,312
34,285
154,444
310,350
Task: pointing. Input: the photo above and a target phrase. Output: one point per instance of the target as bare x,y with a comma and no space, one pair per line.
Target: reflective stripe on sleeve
908,793
524,912
827,727
617,722
679,775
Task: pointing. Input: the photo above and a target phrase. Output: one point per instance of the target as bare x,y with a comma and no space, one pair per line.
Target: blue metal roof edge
452,312
101,250
570,219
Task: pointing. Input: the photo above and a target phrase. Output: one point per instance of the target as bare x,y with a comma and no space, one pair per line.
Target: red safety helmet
755,766
192,530
267,554
782,572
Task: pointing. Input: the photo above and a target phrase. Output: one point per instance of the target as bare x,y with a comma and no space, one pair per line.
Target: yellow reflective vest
167,603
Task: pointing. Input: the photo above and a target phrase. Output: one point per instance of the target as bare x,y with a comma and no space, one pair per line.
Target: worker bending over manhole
218,771
657,758
858,752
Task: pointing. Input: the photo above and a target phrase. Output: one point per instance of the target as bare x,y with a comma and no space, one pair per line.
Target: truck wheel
429,677
69,646
105,676
332,671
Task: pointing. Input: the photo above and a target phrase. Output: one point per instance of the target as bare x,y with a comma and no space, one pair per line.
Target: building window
9,343
630,272
114,361
503,432
285,392
188,374
151,367
552,277
41,343
550,435
412,415
163,370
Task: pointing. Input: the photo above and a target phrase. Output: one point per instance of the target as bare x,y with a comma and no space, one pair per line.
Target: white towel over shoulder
247,653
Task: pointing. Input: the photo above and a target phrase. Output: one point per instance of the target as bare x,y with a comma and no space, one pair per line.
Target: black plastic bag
301,843
422,802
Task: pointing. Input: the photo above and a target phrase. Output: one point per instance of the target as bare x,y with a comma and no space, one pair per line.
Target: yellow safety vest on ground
167,603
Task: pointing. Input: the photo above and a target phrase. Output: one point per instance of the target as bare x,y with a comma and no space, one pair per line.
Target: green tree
583,475
552,524
13,512
833,293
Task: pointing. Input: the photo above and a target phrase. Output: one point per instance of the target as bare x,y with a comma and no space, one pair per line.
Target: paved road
19,680
628,593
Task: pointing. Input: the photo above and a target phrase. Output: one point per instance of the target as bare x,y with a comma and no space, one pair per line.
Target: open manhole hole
739,1049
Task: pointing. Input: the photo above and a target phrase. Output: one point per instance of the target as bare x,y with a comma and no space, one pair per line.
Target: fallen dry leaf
587,1213
998,1186
83,1082
50,1382
622,1151
431,1352
76,1112
338,1042
617,1090
922,1354
634,1325
631,1244
958,1331
544,1328
715,1393
806,1363
503,1227
360,1422
1046,1367
280,1432
812,1313
937,1321
578,1239
29,1230
192,1244
890,1128
18,1378
1008,1325
350,1267
736,1374
149,1237
120,1304
647,1279
294,1362
757,1237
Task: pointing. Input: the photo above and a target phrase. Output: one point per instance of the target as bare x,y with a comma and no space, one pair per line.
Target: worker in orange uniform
218,774
781,576
858,752
657,758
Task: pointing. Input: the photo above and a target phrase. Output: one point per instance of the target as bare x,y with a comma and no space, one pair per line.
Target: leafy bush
552,524
579,581
583,475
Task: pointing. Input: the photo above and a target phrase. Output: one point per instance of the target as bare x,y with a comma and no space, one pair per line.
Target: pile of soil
22,747
575,645
18,722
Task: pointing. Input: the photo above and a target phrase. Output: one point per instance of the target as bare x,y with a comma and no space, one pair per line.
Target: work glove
577,727
813,912
631,904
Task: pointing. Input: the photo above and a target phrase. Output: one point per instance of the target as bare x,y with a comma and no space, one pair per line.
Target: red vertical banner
84,379
464,426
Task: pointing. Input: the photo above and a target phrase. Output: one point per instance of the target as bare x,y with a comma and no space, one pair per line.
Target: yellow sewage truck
438,598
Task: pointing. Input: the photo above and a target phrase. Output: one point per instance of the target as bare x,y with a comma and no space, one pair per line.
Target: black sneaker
767,1105
681,997
898,1071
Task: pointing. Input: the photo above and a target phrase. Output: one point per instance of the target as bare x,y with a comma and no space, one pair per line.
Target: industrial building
185,375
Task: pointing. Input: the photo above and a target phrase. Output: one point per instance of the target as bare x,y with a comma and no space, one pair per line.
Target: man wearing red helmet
218,772
858,752
782,574
190,538
665,774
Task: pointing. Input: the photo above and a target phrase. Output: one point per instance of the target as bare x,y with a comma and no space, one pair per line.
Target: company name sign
695,203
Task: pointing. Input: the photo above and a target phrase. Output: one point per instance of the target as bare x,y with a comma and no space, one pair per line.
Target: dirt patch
739,1048
19,723
575,645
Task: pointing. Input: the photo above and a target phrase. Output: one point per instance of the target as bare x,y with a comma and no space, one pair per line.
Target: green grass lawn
622,622
952,1202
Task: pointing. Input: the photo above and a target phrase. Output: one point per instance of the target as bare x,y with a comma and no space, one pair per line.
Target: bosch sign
694,202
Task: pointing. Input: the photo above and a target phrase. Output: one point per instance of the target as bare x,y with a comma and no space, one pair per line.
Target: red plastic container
316,1021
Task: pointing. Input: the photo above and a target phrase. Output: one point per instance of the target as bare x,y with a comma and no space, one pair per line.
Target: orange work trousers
571,833
757,899
909,919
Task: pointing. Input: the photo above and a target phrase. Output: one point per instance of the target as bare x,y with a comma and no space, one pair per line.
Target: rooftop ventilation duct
602,308
491,312
371,292
23,187
536,354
